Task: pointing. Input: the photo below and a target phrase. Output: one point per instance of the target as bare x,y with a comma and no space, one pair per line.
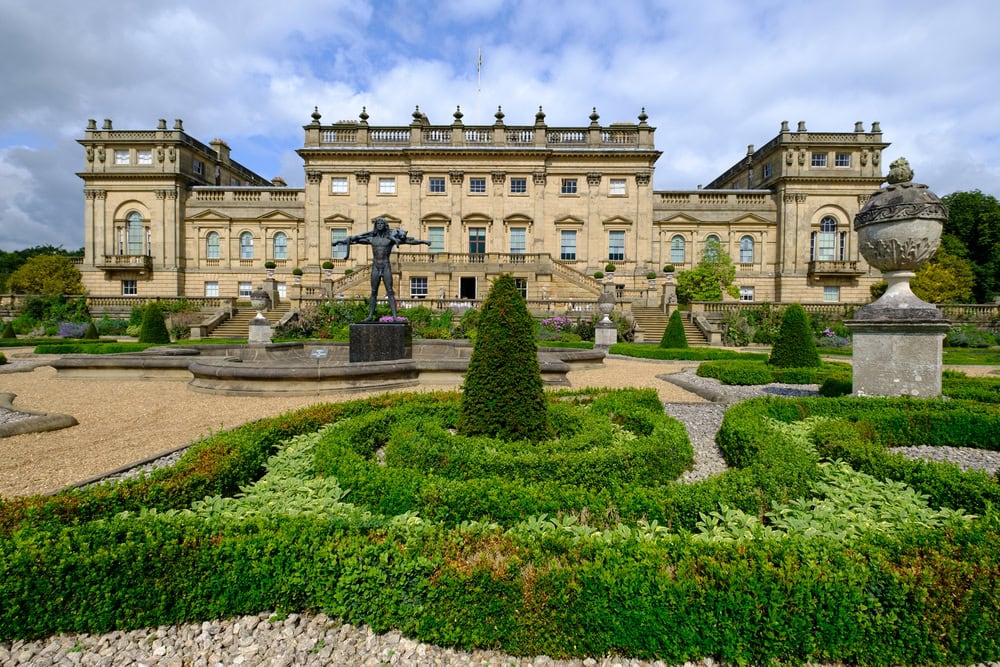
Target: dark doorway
467,287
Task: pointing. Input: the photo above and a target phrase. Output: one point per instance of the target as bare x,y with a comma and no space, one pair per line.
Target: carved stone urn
260,299
606,305
897,339
898,230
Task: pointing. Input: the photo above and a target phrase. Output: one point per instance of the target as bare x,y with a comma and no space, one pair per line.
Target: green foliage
736,372
48,275
618,440
97,347
643,351
980,389
946,278
13,260
973,228
759,324
8,331
91,332
154,326
502,393
794,347
836,385
3,358
43,314
969,335
673,336
750,372
712,277
242,523
959,357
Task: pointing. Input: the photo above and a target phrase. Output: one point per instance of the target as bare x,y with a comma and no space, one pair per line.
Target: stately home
168,215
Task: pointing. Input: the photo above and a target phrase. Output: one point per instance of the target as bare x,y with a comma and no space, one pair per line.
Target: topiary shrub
3,359
673,336
154,327
91,332
503,395
8,331
795,347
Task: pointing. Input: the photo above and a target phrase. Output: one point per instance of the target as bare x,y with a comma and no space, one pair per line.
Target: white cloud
713,78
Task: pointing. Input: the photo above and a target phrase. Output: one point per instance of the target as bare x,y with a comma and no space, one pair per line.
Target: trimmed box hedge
554,587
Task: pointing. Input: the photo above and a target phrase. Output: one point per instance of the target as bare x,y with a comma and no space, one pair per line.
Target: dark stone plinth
380,341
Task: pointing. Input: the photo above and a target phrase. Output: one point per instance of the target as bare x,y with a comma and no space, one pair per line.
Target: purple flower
390,318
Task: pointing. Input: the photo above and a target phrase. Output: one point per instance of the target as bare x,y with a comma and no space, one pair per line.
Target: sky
713,77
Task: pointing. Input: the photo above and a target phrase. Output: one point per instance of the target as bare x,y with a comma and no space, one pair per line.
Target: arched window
246,245
825,244
280,246
712,246
212,245
134,235
746,250
677,249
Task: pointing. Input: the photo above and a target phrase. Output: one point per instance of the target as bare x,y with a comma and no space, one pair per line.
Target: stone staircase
652,322
238,326
695,337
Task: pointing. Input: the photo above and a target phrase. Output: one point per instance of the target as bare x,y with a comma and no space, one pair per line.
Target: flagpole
479,82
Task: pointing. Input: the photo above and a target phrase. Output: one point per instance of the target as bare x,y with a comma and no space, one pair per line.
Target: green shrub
644,351
8,331
154,326
502,393
795,347
981,389
673,336
91,332
3,358
836,385
736,372
565,584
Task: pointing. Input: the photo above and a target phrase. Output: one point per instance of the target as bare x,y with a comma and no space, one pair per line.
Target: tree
12,261
947,278
974,223
674,336
710,278
795,347
503,395
48,275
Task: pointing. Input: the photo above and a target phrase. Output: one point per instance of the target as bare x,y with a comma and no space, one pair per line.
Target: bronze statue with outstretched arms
382,240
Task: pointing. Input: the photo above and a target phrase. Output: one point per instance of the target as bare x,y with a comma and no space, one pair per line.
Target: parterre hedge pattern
638,587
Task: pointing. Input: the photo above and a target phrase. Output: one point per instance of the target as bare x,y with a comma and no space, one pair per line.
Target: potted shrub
610,268
598,275
270,266
651,277
669,268
297,272
328,269
348,272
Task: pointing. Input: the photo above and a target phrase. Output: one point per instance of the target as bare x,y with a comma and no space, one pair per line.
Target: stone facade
167,215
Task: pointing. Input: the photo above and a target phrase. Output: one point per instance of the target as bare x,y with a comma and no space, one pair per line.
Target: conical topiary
794,347
674,336
154,327
91,332
503,395
8,331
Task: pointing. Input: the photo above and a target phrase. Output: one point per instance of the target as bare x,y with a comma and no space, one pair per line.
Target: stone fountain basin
289,369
